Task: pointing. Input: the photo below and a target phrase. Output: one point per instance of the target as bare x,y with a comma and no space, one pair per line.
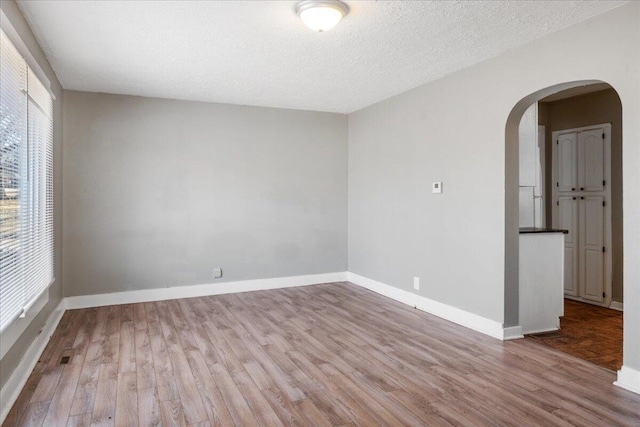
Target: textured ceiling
260,53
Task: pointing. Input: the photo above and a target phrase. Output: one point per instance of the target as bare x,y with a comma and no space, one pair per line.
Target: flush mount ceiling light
321,15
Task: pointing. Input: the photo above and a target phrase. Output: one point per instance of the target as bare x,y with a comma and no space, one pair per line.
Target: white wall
159,192
463,244
37,320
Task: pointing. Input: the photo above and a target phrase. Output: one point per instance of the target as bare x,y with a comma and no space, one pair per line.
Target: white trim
512,333
628,379
15,38
615,305
191,291
453,314
15,329
20,375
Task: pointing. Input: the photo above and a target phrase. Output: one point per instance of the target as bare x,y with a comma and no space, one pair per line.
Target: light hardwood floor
323,355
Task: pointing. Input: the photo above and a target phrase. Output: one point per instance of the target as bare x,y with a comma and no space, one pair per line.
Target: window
26,185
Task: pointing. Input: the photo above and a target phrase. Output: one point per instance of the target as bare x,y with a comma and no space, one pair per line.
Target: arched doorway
512,194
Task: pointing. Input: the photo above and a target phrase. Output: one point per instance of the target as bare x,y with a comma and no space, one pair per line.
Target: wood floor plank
20,407
194,411
145,368
310,413
285,411
172,415
127,313
100,328
111,340
284,380
217,410
83,336
165,379
233,398
62,400
126,400
357,410
333,354
47,385
139,316
66,338
149,407
127,347
262,411
35,414
104,406
83,420
88,383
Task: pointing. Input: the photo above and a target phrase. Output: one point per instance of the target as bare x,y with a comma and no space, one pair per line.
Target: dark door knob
581,188
573,189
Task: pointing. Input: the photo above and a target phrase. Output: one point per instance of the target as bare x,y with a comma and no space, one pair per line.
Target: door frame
608,257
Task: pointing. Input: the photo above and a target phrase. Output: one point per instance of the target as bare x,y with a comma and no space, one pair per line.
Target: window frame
13,329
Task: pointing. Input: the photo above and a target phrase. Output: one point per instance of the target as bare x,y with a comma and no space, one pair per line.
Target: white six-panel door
591,160
567,148
581,173
568,220
591,256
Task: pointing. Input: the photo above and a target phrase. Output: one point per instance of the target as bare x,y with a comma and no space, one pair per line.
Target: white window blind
26,185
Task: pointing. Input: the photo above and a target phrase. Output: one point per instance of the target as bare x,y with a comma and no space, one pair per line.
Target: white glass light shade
321,15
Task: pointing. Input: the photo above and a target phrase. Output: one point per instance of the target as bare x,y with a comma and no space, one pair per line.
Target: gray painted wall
262,192
463,244
586,110
159,192
12,358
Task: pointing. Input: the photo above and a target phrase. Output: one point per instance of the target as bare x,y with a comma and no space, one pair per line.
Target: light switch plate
436,187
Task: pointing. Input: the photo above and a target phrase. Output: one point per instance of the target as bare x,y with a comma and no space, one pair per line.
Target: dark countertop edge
533,230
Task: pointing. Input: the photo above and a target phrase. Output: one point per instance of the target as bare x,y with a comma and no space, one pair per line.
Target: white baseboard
629,379
461,317
512,333
615,305
19,377
191,291
542,331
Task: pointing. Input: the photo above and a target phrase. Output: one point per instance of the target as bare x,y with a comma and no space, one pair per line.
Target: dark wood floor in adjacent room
324,355
589,332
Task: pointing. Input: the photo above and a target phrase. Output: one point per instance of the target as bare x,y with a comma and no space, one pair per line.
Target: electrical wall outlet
416,283
217,273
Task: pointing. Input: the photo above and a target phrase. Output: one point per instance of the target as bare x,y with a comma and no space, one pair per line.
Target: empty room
319,213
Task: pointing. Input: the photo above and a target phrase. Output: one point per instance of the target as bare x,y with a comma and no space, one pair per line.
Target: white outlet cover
217,273
416,283
436,187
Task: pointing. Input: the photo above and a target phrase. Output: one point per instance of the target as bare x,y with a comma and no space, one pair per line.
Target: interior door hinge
602,135
603,249
604,203
557,184
604,183
604,295
558,202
